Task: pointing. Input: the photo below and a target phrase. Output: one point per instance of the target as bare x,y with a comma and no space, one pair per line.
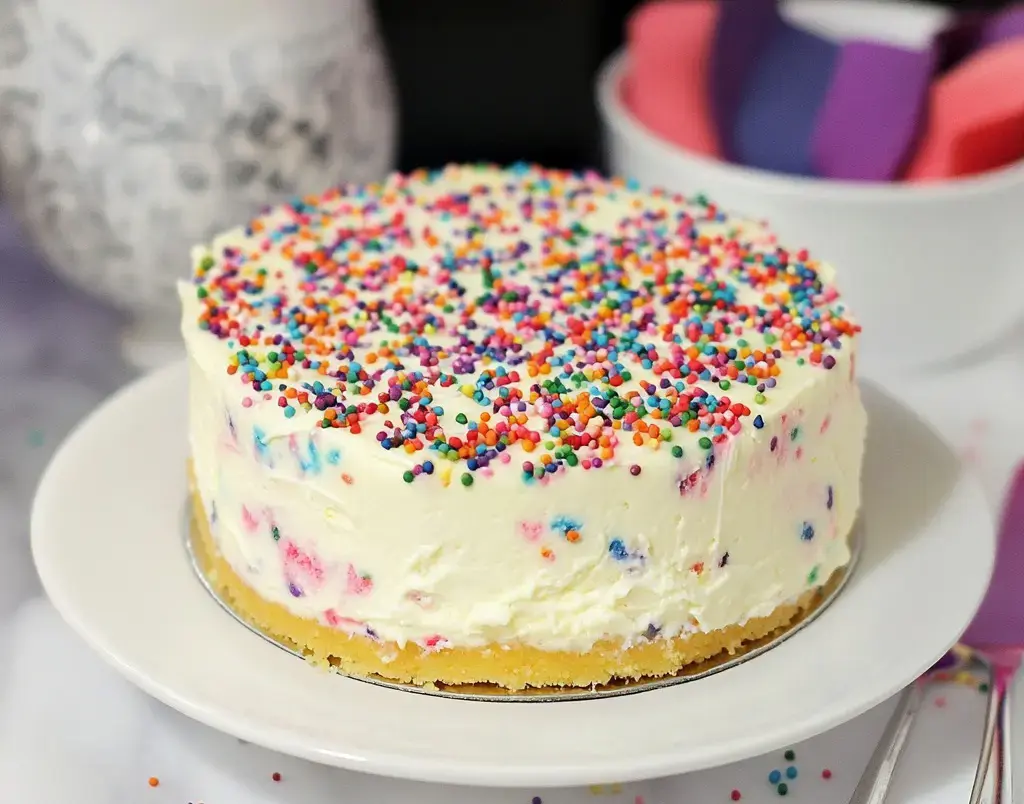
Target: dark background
503,80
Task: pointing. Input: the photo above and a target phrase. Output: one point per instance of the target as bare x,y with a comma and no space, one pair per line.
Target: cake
517,427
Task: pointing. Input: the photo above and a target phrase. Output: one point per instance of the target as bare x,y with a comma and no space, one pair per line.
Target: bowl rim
616,116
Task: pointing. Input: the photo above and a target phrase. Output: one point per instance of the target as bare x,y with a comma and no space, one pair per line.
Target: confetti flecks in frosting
357,583
569,528
568,316
618,551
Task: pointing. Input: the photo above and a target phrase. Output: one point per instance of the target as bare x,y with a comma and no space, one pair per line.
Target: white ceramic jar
130,131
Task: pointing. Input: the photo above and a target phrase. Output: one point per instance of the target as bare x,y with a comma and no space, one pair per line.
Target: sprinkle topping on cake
473,314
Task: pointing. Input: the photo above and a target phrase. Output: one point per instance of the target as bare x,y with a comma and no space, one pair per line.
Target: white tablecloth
72,732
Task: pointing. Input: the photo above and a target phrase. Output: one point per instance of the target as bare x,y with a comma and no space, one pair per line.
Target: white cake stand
106,537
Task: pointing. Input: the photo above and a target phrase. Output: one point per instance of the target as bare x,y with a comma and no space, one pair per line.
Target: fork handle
986,788
1006,794
874,783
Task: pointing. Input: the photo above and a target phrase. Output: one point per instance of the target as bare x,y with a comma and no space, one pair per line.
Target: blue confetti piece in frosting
310,462
617,550
262,447
564,524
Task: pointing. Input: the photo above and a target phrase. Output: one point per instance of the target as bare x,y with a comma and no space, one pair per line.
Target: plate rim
556,771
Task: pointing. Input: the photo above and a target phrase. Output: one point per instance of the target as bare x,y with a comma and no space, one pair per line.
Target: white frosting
322,522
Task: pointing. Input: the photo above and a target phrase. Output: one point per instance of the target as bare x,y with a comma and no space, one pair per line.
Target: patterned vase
131,131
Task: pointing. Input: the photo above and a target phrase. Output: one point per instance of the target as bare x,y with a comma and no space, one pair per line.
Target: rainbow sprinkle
566,315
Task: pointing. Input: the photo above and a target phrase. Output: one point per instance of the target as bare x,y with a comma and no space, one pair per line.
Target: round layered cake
519,427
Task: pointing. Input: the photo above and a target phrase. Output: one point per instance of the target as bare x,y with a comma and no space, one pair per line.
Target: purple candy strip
776,117
771,110
744,30
1006,24
873,111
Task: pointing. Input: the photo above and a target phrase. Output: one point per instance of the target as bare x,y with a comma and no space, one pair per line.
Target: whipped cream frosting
480,406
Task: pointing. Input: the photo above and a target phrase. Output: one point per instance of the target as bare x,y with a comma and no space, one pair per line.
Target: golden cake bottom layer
512,667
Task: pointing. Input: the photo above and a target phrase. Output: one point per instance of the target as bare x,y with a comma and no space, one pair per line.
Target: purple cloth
1000,620
60,357
46,323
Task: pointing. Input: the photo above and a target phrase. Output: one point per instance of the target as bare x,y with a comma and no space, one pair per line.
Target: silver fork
874,783
993,781
986,788
990,785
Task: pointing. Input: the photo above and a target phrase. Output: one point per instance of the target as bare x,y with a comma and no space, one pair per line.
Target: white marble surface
72,732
